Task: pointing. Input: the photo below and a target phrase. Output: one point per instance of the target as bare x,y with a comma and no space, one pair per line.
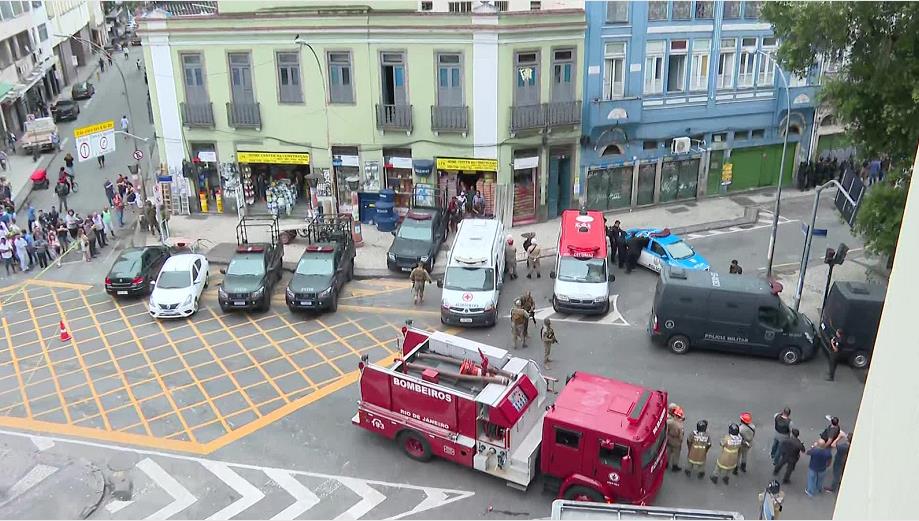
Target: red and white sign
467,297
138,154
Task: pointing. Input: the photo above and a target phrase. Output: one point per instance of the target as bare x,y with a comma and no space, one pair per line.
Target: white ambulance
474,275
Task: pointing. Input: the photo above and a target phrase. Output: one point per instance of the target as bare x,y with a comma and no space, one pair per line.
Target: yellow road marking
222,366
58,285
22,386
281,351
382,309
309,343
44,346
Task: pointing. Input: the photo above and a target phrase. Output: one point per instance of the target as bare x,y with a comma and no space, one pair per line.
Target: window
747,68
676,66
726,59
758,133
654,63
612,457
720,137
657,10
17,7
752,9
392,76
501,5
289,88
614,71
526,91
193,72
770,317
649,145
705,9
563,75
567,438
700,57
741,135
767,69
6,10
459,7
658,250
42,32
617,12
731,9
241,78
427,6
682,10
449,80
535,6
341,87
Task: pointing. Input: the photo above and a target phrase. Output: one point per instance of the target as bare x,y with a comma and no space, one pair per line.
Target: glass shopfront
456,175
646,183
275,179
609,188
397,163
526,190
346,166
679,179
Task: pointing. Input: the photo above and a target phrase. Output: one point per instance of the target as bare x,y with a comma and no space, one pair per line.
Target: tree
881,214
876,93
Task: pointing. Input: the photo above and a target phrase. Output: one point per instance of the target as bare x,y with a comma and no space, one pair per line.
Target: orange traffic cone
65,336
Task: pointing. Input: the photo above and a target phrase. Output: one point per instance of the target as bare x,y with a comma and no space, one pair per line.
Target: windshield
470,279
679,250
414,230
316,265
571,269
128,262
174,280
246,265
789,316
648,457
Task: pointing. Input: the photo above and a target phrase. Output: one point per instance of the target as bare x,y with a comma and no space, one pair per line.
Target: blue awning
423,167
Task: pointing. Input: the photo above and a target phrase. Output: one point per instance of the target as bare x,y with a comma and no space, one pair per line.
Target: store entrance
276,182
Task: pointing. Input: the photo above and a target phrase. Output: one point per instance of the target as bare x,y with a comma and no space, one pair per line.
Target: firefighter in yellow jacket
727,460
698,444
674,435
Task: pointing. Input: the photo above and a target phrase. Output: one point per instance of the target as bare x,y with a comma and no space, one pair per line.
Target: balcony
449,119
562,113
555,114
394,117
198,115
244,115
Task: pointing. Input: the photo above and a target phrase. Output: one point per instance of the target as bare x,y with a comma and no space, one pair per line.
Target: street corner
191,385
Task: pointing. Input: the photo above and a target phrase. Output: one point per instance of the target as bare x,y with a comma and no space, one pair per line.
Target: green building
338,102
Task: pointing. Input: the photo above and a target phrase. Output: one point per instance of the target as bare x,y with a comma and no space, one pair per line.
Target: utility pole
770,254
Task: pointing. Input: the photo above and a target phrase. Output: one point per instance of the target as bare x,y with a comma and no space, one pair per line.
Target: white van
474,274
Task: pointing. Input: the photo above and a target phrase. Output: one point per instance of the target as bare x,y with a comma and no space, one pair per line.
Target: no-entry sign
138,154
95,140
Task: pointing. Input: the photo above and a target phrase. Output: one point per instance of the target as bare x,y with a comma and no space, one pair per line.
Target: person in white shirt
125,125
6,253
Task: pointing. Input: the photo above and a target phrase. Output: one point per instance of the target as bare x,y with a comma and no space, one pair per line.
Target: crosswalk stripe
249,494
305,499
370,498
182,498
36,475
116,506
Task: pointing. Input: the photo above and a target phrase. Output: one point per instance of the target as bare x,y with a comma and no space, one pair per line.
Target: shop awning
274,158
469,165
423,166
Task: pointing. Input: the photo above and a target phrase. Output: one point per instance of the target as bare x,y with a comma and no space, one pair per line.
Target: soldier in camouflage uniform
547,334
519,319
528,305
698,444
419,276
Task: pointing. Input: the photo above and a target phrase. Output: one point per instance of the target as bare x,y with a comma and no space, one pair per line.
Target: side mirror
440,283
552,274
223,271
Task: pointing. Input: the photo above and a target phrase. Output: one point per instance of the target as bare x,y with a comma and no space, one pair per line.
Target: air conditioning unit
681,145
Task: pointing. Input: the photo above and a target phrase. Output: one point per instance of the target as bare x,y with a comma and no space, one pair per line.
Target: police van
581,271
474,275
734,313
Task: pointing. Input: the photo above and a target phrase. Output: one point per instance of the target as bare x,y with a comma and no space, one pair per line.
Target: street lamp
325,110
778,192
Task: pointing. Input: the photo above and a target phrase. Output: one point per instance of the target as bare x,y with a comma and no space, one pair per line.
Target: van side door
768,331
728,327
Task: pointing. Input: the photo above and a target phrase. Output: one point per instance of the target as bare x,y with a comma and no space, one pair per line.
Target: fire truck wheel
414,445
583,494
679,344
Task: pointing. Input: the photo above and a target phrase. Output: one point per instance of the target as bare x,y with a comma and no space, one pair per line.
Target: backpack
62,190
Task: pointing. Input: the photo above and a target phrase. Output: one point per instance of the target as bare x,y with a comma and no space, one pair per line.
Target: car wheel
333,306
207,281
555,305
679,344
859,360
194,310
414,445
223,308
791,355
351,271
583,494
266,301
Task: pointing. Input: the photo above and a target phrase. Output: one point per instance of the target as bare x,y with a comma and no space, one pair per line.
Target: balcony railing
394,117
244,115
529,117
449,119
563,113
198,114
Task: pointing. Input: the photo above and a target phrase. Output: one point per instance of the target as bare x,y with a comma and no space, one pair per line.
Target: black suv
418,239
65,110
325,266
254,269
134,269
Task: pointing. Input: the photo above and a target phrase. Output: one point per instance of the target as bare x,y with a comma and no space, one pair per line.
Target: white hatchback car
179,286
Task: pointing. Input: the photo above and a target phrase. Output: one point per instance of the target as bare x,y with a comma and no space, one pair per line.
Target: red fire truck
479,406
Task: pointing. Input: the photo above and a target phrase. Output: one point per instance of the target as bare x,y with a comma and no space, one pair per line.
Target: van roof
861,291
710,279
475,242
583,234
609,406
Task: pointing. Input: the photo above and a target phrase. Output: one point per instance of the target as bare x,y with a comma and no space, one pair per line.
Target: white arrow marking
613,317
42,443
182,498
249,495
36,475
371,498
304,496
436,497
117,506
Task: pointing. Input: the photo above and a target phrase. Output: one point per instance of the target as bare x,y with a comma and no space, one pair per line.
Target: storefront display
456,175
346,166
526,170
609,188
399,177
279,179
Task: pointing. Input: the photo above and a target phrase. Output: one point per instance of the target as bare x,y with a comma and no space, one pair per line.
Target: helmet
733,429
773,487
678,412
510,239
702,426
746,417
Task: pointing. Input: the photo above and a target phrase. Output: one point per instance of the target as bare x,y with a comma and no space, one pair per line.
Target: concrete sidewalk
685,217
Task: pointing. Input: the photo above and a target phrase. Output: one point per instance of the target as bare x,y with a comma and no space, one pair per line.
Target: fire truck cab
481,407
582,271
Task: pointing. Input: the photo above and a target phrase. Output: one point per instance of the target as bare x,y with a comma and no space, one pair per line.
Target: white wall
163,72
485,89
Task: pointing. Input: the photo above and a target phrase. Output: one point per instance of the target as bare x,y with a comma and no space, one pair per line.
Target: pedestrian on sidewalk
820,457
121,184
833,353
735,268
41,251
99,230
547,335
101,64
100,159
510,258
138,64
783,427
109,191
31,216
614,233
125,126
125,50
747,432
108,57
6,253
30,246
85,246
419,276
62,189
118,204
789,451
73,224
3,159
87,228
20,244
107,222
150,216
54,246
11,141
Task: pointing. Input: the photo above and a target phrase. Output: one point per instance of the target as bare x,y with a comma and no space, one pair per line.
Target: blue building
676,90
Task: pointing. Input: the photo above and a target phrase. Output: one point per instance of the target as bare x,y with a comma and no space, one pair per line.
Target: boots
725,479
714,479
743,467
676,468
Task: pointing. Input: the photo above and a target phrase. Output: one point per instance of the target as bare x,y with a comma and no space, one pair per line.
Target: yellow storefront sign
727,173
274,158
93,129
455,163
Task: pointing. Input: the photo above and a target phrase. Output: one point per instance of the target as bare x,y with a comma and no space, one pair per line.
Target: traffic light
840,256
829,256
